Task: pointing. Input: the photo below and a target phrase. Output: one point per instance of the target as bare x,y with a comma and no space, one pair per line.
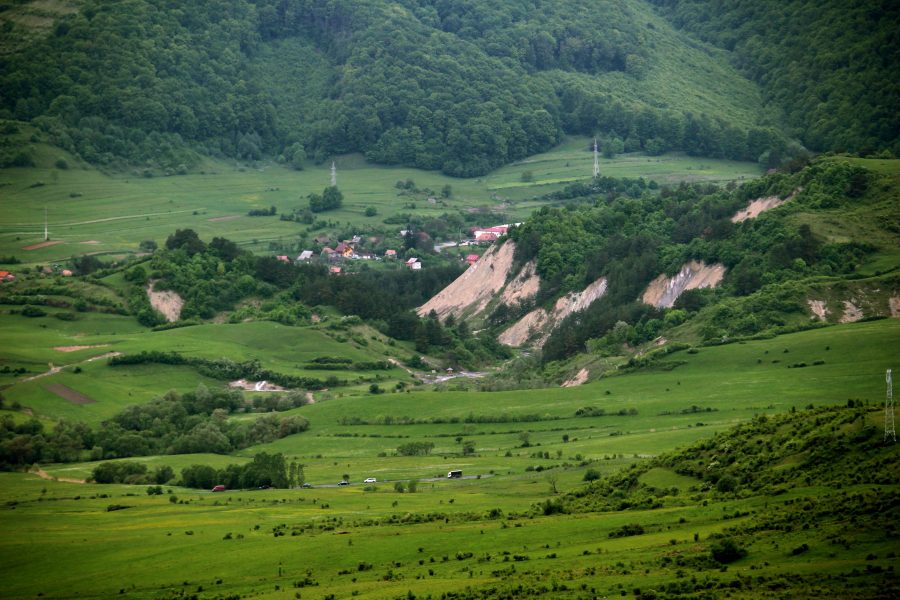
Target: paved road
422,480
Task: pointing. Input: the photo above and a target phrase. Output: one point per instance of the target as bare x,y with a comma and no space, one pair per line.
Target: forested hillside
631,238
460,86
831,66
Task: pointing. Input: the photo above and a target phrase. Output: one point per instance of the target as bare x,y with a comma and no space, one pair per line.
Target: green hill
461,87
832,67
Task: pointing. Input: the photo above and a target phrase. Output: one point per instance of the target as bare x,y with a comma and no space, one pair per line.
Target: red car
219,488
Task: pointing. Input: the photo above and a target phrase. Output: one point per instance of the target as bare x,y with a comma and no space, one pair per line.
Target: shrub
727,551
32,311
591,475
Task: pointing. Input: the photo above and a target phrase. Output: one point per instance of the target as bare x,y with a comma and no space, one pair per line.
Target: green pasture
36,344
249,542
352,542
90,211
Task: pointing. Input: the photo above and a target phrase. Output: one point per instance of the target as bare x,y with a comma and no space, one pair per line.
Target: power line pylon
596,160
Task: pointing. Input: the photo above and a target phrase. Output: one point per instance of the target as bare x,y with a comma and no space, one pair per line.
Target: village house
305,256
414,264
7,276
334,270
344,250
283,258
390,254
472,258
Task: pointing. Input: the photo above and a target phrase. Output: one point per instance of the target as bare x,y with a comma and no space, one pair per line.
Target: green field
369,540
94,212
40,346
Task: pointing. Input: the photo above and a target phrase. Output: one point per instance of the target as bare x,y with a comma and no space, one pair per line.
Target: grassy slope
32,343
145,548
118,211
682,74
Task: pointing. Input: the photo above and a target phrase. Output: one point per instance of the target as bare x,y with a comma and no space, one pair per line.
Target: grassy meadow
479,532
78,349
90,211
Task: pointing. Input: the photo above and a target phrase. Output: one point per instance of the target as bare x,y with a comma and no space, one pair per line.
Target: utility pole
889,432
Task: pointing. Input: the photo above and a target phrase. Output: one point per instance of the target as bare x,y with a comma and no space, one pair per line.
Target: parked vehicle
454,475
306,485
343,483
370,480
219,488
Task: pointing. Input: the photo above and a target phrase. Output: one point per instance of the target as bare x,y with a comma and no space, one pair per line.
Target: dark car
306,485
344,483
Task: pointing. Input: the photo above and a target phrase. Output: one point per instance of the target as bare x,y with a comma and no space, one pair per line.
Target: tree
727,551
187,240
468,448
552,480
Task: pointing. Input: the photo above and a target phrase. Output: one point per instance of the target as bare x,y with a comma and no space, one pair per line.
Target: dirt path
41,245
54,370
310,398
45,475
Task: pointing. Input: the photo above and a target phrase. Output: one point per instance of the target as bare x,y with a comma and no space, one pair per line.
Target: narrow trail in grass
54,369
45,475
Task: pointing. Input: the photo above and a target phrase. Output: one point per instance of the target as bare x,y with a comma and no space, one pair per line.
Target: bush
33,311
727,551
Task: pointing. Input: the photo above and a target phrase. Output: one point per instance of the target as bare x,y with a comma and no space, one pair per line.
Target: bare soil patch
761,205
852,313
42,245
473,290
67,393
225,218
90,242
895,306
580,378
524,286
255,386
539,323
77,348
664,291
168,303
818,308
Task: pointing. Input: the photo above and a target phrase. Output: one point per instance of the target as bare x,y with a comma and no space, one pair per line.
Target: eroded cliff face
471,292
756,207
536,326
664,291
484,286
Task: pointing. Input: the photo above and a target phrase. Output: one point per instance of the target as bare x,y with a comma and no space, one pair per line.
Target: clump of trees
330,199
265,470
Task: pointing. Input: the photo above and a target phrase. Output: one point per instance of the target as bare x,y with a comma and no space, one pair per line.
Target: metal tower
596,160
889,432
333,174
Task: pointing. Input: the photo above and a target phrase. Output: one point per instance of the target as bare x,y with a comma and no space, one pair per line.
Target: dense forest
461,86
832,66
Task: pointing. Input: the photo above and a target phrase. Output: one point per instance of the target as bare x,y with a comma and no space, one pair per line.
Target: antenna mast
596,160
333,174
889,432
